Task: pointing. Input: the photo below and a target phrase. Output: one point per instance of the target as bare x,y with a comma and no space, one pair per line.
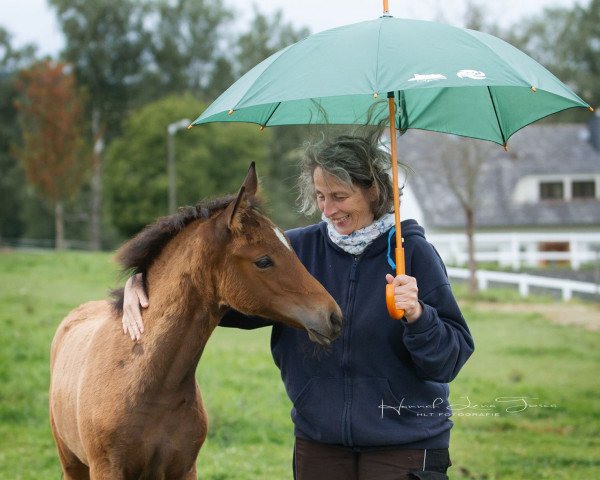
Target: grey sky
33,21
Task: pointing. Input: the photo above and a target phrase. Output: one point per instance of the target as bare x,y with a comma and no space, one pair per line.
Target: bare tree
462,161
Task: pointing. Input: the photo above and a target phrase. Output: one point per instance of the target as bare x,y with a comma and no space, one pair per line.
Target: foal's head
259,273
240,259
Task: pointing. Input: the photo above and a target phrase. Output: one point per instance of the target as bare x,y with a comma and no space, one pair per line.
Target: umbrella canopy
434,76
444,78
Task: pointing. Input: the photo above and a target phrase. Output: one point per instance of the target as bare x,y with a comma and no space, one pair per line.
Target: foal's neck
183,312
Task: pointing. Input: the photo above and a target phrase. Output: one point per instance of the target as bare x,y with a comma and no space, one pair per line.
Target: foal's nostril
336,322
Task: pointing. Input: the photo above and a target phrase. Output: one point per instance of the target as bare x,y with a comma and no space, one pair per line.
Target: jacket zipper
346,415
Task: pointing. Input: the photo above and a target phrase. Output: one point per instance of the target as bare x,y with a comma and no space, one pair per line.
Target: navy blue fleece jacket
383,382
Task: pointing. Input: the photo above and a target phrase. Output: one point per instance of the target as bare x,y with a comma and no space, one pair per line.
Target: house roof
537,150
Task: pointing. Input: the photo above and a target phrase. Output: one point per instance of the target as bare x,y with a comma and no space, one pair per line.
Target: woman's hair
357,160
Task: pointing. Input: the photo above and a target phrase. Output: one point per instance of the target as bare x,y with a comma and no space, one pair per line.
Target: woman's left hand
406,295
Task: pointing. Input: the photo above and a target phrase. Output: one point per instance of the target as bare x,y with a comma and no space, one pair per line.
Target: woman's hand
406,295
134,299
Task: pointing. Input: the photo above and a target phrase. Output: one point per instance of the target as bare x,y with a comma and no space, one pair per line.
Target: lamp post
171,130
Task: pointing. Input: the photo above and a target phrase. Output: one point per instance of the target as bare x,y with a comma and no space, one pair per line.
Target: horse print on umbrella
123,410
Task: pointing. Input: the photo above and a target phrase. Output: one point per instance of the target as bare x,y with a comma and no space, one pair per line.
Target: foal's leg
73,468
191,475
103,471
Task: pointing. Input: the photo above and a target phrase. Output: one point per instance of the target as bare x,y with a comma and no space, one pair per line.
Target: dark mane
138,254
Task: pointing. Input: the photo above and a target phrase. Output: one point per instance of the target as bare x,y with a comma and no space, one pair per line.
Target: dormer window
556,189
551,190
583,189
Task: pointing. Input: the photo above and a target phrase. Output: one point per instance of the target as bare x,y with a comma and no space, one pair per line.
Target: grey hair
358,161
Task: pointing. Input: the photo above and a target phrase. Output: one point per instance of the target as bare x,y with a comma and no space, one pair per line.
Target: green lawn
521,360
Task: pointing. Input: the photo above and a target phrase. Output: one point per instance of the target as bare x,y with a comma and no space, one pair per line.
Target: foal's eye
264,262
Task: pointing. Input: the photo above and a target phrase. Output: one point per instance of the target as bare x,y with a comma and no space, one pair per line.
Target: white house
538,203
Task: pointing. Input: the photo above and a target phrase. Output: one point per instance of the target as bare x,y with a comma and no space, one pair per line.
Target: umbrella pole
395,313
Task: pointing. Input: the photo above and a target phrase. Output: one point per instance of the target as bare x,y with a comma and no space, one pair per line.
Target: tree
210,161
475,19
12,178
105,44
184,45
50,111
462,161
567,42
222,77
266,36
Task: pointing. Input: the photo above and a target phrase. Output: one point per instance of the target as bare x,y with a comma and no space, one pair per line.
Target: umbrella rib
377,58
497,118
271,114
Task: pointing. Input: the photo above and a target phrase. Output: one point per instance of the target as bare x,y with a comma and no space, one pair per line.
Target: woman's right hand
134,299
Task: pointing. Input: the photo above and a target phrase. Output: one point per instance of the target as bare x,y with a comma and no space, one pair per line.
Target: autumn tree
106,41
52,150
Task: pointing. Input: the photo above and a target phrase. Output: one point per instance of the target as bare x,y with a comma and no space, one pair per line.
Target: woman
376,405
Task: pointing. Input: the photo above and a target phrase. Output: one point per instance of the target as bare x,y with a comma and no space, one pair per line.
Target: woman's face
349,209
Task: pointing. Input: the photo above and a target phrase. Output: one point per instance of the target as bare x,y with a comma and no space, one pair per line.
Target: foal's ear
232,210
248,189
251,181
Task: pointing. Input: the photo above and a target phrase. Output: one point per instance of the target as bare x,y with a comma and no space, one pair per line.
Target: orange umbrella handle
395,313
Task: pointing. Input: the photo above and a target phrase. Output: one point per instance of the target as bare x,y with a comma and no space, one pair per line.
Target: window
551,191
584,189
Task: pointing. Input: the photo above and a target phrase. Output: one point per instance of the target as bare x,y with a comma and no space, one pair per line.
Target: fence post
482,280
575,254
524,285
515,251
567,292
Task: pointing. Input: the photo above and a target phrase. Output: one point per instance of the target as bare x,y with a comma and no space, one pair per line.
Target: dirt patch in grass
586,316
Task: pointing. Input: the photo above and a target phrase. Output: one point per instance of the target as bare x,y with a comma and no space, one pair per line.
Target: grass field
527,404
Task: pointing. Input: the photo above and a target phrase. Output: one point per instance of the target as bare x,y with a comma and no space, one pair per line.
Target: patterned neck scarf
357,241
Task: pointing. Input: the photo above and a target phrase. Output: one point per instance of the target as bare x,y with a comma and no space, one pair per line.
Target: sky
32,21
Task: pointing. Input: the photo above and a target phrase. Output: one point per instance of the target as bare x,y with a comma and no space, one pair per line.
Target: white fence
526,281
518,249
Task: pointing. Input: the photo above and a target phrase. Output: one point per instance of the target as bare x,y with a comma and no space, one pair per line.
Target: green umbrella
436,77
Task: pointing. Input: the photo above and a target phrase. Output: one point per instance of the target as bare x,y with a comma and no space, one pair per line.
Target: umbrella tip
506,147
262,127
591,108
534,89
230,112
189,127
